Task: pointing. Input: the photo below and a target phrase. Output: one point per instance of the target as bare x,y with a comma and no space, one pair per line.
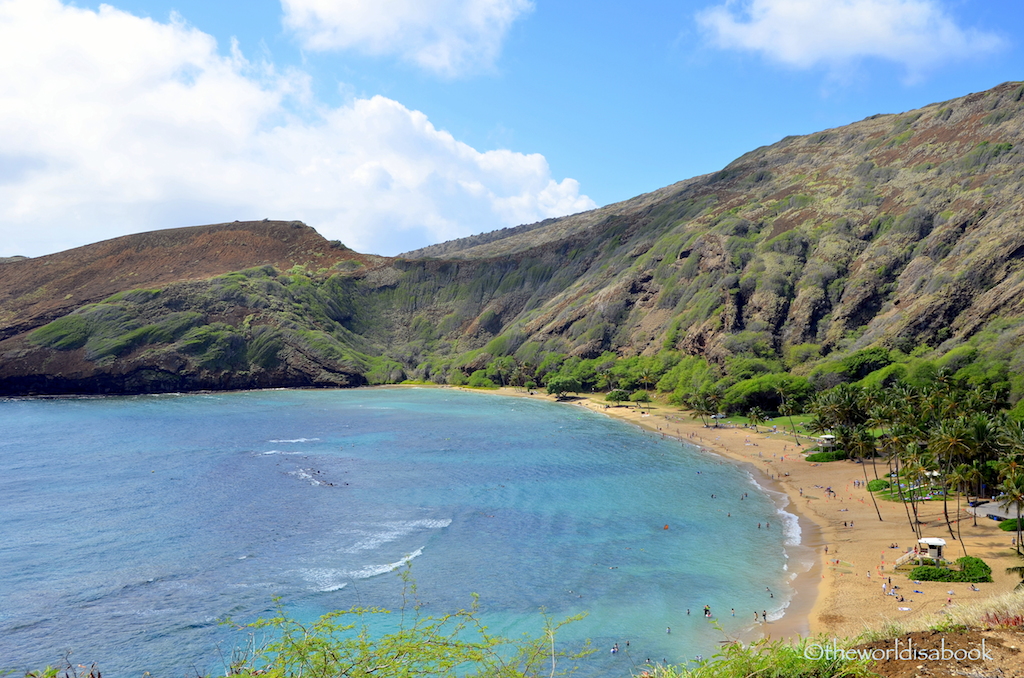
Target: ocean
134,526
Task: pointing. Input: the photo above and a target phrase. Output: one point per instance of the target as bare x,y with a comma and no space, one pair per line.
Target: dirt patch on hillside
947,654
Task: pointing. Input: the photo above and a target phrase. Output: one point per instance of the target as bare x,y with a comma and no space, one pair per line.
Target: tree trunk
899,491
959,519
873,501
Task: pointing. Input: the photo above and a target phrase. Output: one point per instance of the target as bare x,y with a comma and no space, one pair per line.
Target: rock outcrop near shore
901,231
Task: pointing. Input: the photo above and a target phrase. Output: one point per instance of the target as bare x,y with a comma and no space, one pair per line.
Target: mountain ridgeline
891,248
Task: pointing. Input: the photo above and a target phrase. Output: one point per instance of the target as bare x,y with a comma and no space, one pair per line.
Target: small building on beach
931,547
927,548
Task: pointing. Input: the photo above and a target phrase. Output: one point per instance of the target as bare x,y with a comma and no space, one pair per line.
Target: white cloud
115,124
805,33
448,37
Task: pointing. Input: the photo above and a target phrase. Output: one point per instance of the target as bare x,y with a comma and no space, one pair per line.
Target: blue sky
393,124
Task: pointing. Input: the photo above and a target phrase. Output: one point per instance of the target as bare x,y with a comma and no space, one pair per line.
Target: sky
395,124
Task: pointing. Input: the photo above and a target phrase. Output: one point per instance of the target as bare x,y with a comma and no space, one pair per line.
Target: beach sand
841,594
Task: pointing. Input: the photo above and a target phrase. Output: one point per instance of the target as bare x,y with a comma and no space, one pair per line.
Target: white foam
375,570
301,474
391,531
294,440
790,524
791,532
332,579
326,579
280,452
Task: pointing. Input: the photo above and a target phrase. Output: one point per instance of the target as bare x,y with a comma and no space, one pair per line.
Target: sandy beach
841,594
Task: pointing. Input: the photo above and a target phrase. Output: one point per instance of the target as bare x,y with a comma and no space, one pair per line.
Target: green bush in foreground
971,570
341,643
804,658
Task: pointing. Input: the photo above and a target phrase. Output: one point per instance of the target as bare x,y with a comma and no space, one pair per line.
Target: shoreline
840,594
795,619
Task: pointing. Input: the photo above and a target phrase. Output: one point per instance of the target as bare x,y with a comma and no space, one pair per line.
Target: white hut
932,547
928,547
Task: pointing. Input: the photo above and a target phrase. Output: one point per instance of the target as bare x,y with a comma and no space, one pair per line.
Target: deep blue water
133,525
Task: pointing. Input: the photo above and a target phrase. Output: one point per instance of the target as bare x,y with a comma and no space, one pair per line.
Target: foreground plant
806,658
342,643
348,643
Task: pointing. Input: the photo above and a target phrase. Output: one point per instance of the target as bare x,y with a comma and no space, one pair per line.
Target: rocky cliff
902,231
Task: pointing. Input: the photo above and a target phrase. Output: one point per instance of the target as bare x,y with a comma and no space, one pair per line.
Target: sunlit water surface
132,526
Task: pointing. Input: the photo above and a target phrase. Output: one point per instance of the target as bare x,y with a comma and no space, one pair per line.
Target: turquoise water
133,525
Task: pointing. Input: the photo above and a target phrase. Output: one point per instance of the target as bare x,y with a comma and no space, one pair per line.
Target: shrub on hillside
640,397
479,380
766,391
617,395
878,484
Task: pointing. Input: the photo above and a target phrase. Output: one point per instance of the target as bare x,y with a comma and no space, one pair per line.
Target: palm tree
701,406
959,477
755,415
986,436
787,409
1012,488
861,444
1019,571
949,443
915,472
646,378
816,425
883,414
715,400
518,377
897,444
972,474
1013,437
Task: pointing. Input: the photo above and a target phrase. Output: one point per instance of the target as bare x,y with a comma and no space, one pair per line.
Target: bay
132,526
